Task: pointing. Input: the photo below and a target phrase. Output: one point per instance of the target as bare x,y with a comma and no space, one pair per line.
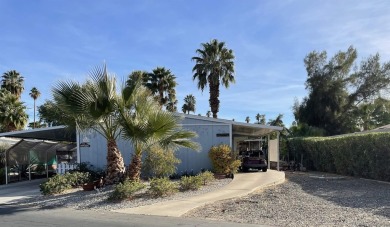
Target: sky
51,40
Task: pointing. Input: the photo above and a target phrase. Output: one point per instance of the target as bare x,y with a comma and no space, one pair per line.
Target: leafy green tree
93,105
34,94
52,115
214,65
373,114
12,112
146,125
13,82
335,92
189,104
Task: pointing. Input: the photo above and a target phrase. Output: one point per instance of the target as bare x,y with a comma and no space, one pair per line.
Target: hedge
360,155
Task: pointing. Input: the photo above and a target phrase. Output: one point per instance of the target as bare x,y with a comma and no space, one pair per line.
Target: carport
37,151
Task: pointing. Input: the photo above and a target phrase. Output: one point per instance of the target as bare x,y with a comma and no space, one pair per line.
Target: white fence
65,167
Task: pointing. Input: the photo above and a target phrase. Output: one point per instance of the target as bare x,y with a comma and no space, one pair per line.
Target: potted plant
223,161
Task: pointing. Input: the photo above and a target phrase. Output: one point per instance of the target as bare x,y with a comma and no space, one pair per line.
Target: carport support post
6,168
277,150
268,152
29,165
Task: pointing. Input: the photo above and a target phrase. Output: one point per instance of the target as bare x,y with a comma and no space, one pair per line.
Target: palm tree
277,121
94,105
13,82
214,65
34,93
12,112
260,118
145,125
162,83
208,114
189,104
247,119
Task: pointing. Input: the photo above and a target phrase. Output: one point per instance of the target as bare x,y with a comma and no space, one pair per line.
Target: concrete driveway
11,193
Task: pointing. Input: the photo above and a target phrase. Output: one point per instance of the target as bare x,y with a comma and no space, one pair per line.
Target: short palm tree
34,94
145,125
93,105
13,82
214,65
208,114
12,112
247,119
189,104
260,118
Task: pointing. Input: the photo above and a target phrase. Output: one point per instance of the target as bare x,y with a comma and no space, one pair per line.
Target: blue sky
47,41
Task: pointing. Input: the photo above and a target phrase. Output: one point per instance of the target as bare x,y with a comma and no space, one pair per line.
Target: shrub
160,187
59,183
206,177
2,175
159,162
362,155
190,183
223,160
125,190
86,167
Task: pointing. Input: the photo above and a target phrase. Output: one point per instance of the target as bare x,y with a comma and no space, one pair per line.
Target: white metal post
277,149
6,168
78,145
268,152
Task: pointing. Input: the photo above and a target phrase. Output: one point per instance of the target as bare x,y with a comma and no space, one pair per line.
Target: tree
13,82
373,114
260,118
335,92
208,114
12,112
189,104
214,65
277,121
146,125
52,115
93,105
34,94
247,119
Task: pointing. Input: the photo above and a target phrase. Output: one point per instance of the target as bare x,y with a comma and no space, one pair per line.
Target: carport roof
56,133
239,128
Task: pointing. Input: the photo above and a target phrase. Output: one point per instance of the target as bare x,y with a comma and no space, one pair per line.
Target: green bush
2,175
159,162
206,177
223,159
160,187
361,155
59,183
190,183
125,190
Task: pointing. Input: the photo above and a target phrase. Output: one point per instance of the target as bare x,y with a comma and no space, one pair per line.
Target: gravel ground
308,200
97,200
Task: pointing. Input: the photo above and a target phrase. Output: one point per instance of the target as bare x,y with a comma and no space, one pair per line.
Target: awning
56,133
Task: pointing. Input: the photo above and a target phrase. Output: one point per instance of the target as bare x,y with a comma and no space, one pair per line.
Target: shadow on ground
347,191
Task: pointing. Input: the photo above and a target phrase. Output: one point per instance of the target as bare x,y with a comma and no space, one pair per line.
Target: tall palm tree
145,125
162,83
277,121
214,65
12,112
94,105
34,94
189,104
13,82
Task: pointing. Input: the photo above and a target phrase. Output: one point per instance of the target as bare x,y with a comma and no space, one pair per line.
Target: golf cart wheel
264,169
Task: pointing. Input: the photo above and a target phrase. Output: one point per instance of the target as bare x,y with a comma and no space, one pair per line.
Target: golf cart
252,155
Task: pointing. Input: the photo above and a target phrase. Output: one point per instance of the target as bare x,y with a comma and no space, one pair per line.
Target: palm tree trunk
34,114
135,167
115,164
214,95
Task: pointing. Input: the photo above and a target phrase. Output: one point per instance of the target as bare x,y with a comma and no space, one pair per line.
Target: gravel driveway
307,199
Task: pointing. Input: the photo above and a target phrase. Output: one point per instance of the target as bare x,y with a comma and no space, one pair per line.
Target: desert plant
160,187
223,159
190,183
126,189
206,177
159,162
59,183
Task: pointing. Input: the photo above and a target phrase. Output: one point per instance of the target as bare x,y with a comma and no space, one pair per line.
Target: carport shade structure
39,151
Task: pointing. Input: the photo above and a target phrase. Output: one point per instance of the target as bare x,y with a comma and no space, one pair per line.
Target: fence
65,167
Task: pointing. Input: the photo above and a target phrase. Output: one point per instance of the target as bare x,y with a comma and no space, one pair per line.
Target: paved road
10,193
14,216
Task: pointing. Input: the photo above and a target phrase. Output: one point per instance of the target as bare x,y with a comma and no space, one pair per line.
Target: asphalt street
16,216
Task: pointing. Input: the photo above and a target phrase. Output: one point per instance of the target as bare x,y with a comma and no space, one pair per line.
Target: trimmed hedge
361,155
